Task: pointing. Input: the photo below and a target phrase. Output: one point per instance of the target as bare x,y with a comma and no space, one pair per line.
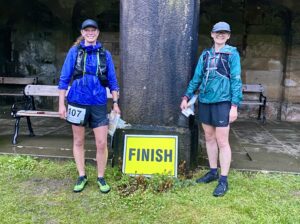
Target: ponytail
78,40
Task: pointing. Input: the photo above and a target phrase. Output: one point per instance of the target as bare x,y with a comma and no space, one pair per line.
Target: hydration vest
79,70
221,65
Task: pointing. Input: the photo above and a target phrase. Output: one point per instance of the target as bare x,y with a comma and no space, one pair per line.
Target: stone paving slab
274,146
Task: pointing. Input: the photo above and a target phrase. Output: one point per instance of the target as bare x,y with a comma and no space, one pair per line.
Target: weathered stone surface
293,63
294,51
290,83
275,65
274,92
204,41
37,59
296,36
158,55
251,111
273,110
276,29
263,77
271,80
292,79
289,4
292,94
267,39
290,112
265,50
262,64
236,39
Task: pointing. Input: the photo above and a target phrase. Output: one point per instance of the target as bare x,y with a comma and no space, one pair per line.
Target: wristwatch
115,101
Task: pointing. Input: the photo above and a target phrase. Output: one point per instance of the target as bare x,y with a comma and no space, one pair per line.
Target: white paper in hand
113,122
190,109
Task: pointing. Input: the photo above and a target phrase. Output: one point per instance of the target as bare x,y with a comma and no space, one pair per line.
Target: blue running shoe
208,177
221,189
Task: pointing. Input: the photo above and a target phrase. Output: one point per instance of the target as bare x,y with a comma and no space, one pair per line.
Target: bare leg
222,135
211,145
101,144
78,148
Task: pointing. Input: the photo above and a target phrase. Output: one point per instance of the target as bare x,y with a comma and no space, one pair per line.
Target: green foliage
40,191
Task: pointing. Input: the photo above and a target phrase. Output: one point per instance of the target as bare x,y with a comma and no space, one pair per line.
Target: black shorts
94,115
215,114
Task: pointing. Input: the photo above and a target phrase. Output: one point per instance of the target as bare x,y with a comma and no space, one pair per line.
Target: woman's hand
116,108
184,104
233,114
61,104
62,111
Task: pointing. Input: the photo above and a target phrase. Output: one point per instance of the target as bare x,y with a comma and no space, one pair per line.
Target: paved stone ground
274,146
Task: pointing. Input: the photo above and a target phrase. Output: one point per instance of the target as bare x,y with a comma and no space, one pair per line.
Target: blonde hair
78,40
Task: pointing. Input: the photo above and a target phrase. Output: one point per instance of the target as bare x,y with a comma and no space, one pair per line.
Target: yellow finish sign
150,154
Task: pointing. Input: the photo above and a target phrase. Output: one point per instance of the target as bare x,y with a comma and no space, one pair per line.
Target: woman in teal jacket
218,78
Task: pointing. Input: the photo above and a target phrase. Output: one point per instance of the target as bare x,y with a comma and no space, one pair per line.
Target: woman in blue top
218,78
85,63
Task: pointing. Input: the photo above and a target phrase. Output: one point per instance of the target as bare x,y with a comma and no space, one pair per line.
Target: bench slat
37,113
18,80
11,94
49,90
251,103
255,88
41,90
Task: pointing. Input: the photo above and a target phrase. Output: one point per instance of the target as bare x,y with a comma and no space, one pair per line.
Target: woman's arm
61,104
115,96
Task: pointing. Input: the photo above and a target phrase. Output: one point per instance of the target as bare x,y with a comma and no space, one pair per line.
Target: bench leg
259,113
264,109
16,131
264,116
264,113
29,127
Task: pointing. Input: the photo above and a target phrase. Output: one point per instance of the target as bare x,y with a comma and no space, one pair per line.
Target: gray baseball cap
89,23
221,26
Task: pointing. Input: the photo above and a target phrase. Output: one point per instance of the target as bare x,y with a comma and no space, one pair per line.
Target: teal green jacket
217,76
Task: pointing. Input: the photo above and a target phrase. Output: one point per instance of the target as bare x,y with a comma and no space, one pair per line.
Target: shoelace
80,180
102,181
221,185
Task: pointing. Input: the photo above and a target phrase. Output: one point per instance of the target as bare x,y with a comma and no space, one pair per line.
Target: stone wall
36,35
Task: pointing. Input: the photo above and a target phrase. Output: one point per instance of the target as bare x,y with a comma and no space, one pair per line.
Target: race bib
76,115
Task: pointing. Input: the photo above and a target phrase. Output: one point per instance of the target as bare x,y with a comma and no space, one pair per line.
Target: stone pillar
158,56
290,110
158,46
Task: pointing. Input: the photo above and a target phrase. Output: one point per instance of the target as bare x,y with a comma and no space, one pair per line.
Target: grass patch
40,191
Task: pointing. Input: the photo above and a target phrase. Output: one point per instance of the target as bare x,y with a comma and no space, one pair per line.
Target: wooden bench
258,98
29,109
10,82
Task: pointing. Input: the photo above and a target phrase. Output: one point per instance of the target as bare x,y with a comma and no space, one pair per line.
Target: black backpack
102,67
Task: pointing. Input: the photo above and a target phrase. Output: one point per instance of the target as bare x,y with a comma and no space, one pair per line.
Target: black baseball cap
89,23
